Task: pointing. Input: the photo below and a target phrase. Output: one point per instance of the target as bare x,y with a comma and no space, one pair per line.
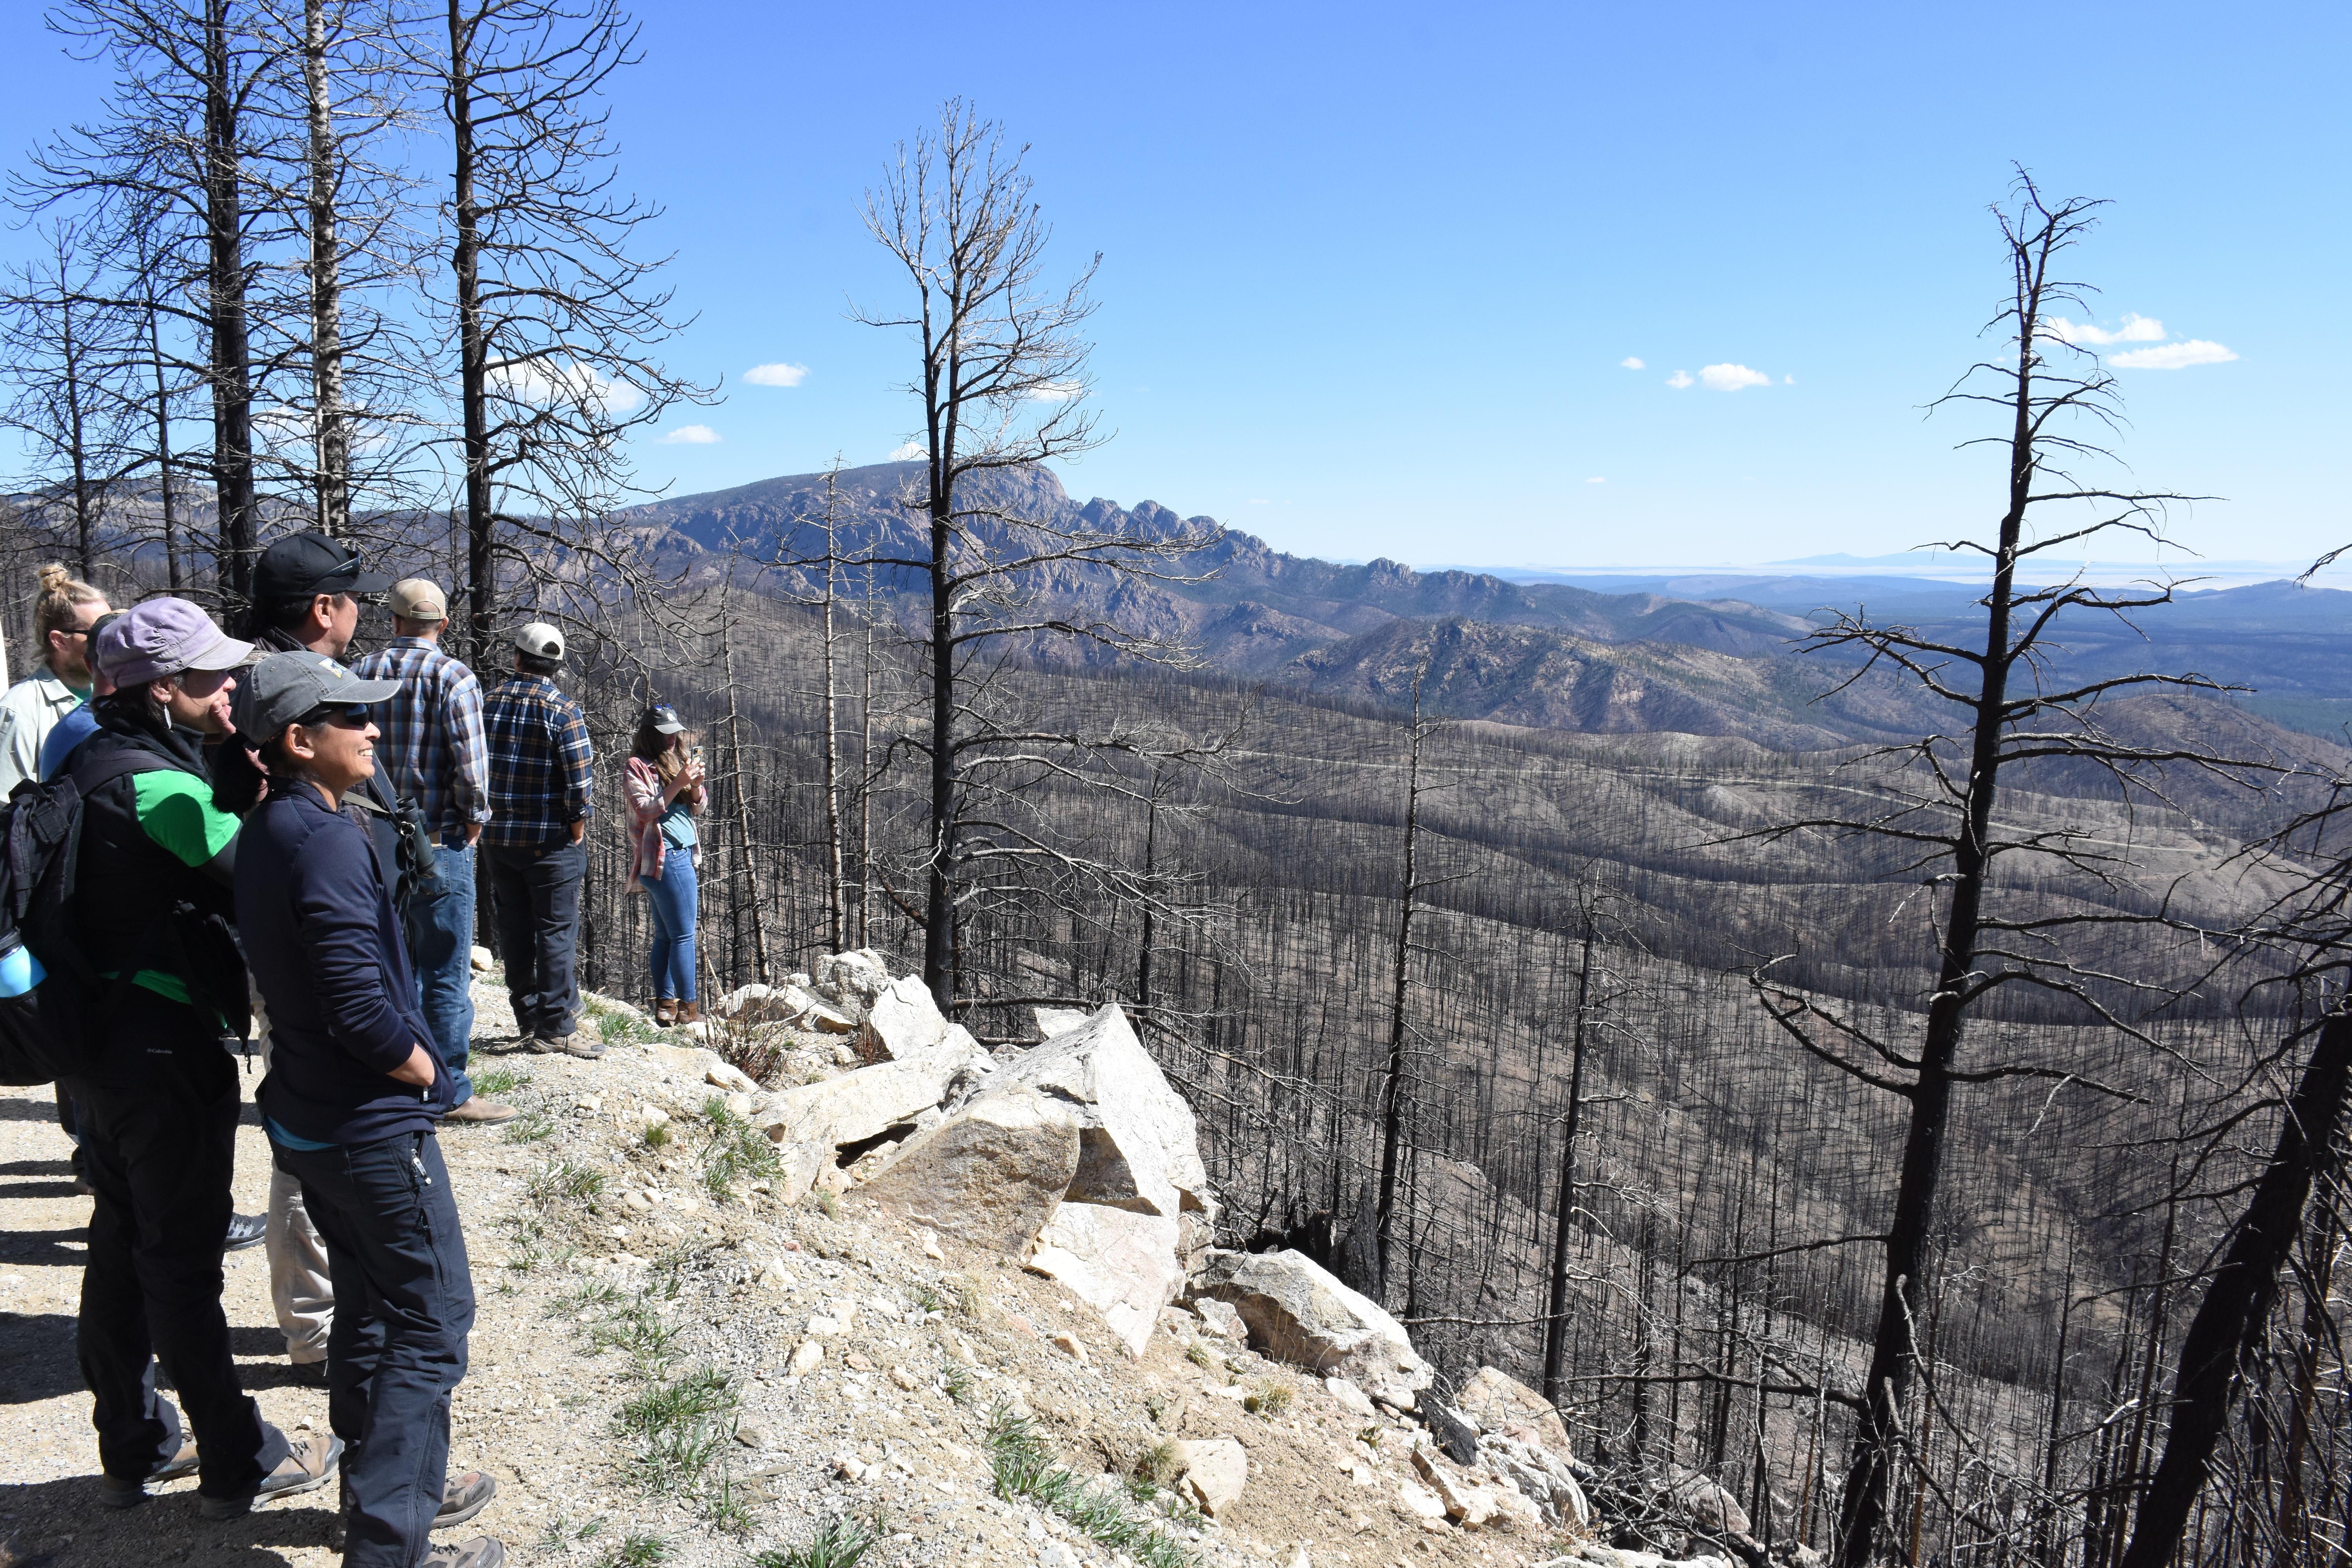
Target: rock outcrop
991,1173
1297,1311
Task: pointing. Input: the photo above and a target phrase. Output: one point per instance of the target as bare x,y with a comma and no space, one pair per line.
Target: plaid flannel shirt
539,754
433,747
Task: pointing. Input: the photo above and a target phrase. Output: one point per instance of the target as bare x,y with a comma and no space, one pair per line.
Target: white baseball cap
540,641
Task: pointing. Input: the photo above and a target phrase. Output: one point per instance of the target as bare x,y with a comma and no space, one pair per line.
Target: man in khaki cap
432,751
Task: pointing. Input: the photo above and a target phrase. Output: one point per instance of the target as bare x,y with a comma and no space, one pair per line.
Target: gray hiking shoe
307,1469
573,1045
479,1552
462,1498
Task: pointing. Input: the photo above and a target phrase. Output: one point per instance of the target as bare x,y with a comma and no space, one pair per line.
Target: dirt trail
608,1272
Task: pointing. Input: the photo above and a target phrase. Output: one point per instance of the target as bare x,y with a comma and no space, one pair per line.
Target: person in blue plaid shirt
434,751
536,840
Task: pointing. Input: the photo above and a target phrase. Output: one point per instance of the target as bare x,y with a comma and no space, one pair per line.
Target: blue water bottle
20,971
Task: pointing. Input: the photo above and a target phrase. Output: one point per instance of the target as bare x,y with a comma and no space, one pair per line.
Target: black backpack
49,1029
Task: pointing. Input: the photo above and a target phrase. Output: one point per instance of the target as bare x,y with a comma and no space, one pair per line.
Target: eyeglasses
350,715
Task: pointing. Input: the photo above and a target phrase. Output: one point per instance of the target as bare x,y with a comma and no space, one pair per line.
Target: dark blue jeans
670,900
535,900
441,945
403,1306
159,1155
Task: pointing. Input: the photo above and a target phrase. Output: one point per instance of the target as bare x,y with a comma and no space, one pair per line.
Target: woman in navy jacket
355,1088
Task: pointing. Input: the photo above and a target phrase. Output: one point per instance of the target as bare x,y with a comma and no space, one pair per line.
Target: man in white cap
434,751
536,840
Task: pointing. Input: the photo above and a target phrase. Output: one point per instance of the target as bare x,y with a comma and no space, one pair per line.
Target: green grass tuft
531,1127
1270,1398
838,1544
562,1181
493,1081
738,1152
1023,1466
638,1551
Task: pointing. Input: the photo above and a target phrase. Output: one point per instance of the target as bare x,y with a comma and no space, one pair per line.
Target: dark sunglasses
350,715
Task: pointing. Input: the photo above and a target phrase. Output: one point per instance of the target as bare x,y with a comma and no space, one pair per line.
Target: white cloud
1596,480
2174,357
1632,362
690,435
2135,329
1259,500
1057,390
1788,381
778,374
910,452
565,380
1681,378
1731,377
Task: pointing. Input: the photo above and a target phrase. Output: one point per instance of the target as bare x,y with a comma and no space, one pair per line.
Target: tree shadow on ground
50,1525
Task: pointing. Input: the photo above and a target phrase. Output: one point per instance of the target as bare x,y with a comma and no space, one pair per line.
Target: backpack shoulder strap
90,774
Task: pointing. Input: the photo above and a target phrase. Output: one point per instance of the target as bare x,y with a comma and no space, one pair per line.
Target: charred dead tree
1001,384
555,319
1942,812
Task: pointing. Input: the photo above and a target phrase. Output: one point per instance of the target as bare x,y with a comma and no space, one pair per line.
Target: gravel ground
633,1383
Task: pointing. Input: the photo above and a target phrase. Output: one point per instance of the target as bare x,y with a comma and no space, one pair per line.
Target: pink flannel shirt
641,783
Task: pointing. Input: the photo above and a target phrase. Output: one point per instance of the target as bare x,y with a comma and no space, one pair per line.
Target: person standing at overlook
664,785
536,842
350,1104
434,751
62,619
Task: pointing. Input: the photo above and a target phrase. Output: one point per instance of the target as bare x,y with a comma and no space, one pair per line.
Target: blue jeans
403,1306
670,900
535,897
441,945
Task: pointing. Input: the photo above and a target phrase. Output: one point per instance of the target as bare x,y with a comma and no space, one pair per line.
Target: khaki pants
299,1286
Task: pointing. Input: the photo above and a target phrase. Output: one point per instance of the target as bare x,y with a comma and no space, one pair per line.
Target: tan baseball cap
419,599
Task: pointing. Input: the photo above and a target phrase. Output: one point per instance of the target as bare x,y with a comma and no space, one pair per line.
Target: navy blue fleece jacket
315,910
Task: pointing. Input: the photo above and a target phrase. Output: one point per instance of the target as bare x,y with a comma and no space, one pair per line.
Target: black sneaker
308,1468
246,1230
129,1491
307,1373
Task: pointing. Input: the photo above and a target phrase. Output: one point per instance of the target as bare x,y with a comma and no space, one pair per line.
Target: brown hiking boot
482,1112
664,1012
690,1012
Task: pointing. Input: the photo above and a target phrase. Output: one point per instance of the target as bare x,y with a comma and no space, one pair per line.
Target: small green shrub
958,1380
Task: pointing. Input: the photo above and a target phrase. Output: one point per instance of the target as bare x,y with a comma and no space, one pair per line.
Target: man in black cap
305,595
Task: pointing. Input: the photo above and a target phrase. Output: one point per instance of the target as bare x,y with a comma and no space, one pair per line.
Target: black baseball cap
665,720
310,562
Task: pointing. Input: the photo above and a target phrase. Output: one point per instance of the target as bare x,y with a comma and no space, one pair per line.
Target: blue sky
1370,272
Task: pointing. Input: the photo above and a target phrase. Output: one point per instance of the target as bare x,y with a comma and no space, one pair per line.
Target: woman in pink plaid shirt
663,783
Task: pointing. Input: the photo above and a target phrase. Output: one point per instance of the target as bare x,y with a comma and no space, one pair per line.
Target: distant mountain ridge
1553,654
